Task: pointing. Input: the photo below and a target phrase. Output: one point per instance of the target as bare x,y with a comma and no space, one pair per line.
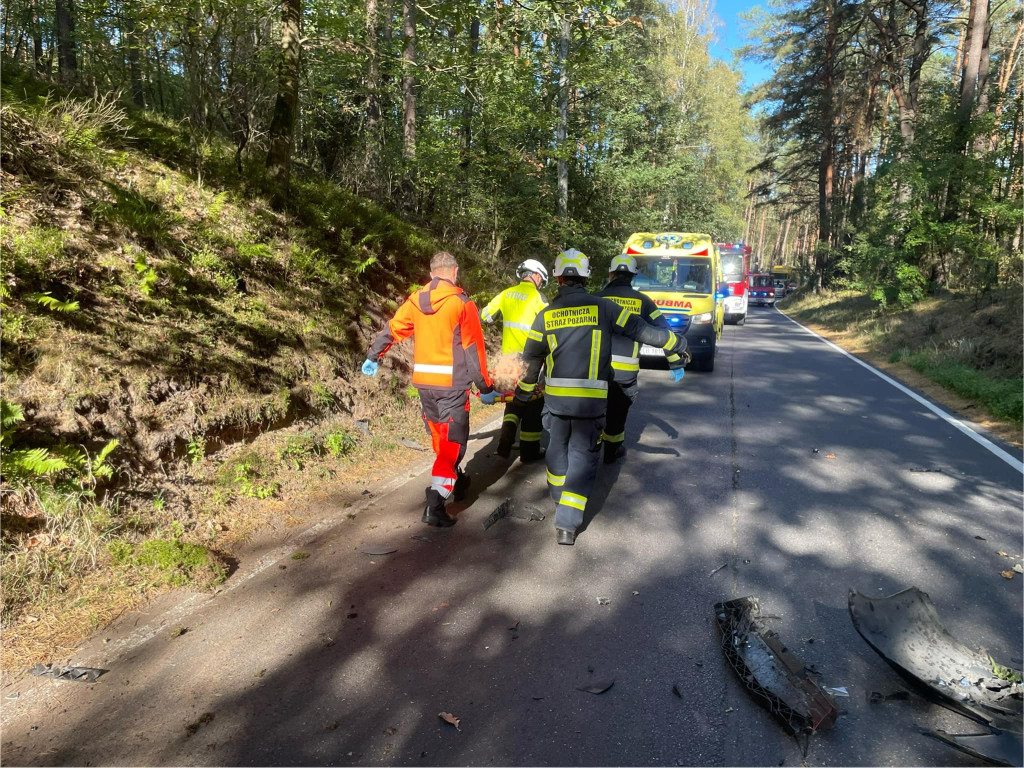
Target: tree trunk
563,120
409,81
134,73
785,240
976,26
466,136
826,162
372,86
760,237
282,125
37,36
67,59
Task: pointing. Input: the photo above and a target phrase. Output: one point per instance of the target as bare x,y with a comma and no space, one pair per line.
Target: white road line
984,442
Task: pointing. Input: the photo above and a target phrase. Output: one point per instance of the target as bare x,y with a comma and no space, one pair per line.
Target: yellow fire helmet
572,263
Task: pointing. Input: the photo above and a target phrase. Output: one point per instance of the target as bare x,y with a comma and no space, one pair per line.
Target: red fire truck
735,268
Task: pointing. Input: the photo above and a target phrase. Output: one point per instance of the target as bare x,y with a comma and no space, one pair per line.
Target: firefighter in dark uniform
626,353
572,339
448,355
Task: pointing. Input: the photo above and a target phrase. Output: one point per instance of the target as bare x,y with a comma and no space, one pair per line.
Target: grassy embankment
180,360
965,352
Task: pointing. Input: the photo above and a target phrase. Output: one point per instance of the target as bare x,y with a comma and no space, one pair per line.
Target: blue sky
731,37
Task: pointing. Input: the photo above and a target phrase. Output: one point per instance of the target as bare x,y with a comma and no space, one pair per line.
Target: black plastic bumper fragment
997,747
904,629
775,678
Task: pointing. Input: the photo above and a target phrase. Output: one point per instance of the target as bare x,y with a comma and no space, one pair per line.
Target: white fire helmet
532,265
624,263
572,263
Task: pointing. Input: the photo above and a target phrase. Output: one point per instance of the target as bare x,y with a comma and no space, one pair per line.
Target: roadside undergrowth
968,347
180,359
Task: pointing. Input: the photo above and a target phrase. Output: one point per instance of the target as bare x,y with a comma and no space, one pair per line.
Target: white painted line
984,442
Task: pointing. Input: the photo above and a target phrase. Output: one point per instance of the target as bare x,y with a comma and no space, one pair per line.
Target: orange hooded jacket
449,343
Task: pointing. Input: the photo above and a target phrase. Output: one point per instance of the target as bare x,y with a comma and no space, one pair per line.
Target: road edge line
981,440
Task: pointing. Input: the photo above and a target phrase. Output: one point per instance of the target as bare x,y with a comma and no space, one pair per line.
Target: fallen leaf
514,627
1001,554
1006,574
827,456
390,731
444,605
1018,568
597,688
31,619
300,555
448,717
377,549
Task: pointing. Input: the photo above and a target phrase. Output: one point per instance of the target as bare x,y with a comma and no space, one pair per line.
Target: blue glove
677,374
488,398
370,367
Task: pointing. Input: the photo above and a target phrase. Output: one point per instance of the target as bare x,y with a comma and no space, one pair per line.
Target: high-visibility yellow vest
518,307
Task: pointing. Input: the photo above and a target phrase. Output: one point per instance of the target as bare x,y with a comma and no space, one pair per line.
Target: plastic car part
997,747
904,629
775,678
76,674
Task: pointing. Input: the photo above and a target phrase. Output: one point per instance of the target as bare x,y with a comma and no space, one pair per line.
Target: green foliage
339,443
249,476
52,304
148,277
1002,397
174,562
1005,673
196,449
298,448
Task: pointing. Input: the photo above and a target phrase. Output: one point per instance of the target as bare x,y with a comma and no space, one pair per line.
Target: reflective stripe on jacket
449,348
518,307
572,337
626,351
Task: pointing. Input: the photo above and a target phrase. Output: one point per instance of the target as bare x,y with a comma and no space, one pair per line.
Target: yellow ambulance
682,272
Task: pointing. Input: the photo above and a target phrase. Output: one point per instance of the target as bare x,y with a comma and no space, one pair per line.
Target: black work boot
507,438
565,537
530,451
434,512
462,483
613,452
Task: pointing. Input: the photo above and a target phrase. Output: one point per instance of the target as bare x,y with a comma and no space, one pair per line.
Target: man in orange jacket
448,356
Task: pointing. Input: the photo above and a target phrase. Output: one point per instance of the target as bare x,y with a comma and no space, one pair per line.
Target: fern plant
54,304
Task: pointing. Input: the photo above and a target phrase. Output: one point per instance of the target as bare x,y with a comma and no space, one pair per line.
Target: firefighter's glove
489,398
370,367
678,373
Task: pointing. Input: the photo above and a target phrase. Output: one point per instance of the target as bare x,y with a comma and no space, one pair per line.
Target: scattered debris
390,731
717,569
537,698
77,674
300,555
635,593
830,455
363,426
981,538
1006,574
377,549
877,697
603,601
411,444
448,717
597,688
502,510
424,539
178,632
814,450
332,727
730,709
529,513
261,673
905,630
997,747
1018,568
351,615
676,690
191,728
1002,554
838,691
769,671
924,469
514,627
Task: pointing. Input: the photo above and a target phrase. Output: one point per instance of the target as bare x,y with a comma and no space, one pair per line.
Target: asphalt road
344,658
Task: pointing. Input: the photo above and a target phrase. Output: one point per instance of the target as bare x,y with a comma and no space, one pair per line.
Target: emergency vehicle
762,289
735,268
682,273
